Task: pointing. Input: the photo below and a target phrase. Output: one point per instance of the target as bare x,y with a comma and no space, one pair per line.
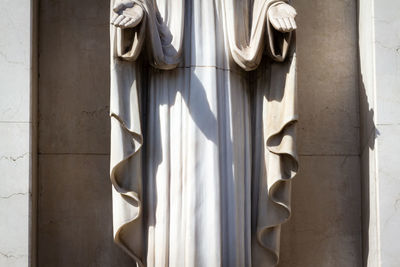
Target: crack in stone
8,256
397,204
3,55
385,46
15,194
11,158
97,111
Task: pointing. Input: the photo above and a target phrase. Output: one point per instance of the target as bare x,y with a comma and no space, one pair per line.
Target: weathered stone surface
327,77
74,77
75,213
324,229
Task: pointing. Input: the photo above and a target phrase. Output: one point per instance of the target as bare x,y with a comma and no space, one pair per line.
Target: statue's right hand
127,14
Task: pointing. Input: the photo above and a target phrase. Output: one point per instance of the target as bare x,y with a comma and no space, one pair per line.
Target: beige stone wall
74,227
74,209
325,227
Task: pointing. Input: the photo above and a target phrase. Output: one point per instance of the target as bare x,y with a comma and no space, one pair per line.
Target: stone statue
203,114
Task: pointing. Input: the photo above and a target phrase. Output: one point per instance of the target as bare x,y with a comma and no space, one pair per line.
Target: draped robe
203,113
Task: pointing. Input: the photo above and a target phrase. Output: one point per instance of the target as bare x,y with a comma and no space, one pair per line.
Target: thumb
118,7
121,5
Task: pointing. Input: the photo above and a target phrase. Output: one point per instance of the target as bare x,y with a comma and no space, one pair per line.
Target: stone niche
74,192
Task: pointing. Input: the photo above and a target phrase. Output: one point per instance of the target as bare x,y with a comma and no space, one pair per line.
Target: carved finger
124,21
127,22
288,24
119,19
114,17
276,24
293,22
283,24
131,23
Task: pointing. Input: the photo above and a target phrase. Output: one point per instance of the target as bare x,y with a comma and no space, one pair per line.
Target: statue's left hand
282,17
127,14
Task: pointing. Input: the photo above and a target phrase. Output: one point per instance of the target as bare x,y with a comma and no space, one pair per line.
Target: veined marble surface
16,48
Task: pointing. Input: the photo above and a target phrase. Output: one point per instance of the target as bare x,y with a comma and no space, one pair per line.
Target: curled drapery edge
164,49
279,113
281,160
125,154
126,136
130,196
268,236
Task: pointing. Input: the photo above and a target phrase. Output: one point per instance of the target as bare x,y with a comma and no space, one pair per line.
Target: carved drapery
159,40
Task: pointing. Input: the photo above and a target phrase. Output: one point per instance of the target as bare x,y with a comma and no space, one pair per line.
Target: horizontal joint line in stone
214,67
61,154
15,122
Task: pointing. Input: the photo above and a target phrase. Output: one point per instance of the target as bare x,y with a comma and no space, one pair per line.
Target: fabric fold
158,40
279,112
163,39
281,161
247,47
161,29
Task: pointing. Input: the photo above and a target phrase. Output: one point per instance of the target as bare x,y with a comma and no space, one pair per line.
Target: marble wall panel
388,194
15,60
379,62
17,211
14,194
387,54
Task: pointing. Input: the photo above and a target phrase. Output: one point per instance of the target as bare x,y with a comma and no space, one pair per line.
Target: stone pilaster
17,131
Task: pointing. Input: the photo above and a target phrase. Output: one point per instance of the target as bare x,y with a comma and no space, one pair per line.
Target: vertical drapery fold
163,39
279,109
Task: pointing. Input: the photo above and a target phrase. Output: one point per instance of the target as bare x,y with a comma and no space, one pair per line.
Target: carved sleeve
160,33
247,47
